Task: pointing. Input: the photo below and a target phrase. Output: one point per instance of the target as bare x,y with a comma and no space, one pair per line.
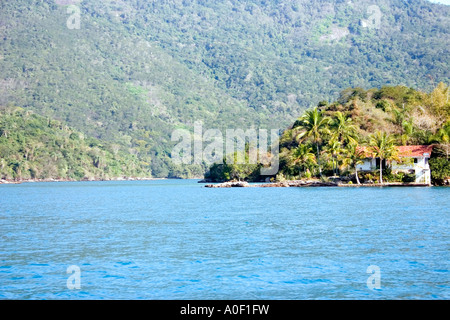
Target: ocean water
175,239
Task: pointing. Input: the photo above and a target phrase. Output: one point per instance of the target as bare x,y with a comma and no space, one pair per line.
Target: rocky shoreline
284,184
306,183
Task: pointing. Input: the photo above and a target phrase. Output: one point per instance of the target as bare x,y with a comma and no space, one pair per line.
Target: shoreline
233,184
6,181
309,184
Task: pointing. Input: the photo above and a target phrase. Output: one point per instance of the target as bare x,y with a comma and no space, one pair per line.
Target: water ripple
178,240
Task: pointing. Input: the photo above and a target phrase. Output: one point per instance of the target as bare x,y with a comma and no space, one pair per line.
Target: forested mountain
134,70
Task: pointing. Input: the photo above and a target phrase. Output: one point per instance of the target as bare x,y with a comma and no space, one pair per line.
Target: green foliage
408,177
368,177
303,159
35,147
384,105
232,169
390,176
440,170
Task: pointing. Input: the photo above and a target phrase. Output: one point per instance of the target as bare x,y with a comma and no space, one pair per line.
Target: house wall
423,176
421,167
368,165
408,164
405,165
422,163
423,173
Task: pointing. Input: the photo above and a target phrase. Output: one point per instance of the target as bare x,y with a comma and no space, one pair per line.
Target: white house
414,159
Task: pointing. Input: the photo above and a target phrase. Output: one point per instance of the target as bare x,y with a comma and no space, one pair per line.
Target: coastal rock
300,183
3,181
283,184
230,184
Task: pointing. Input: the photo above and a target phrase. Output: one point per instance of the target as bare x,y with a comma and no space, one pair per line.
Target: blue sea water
175,239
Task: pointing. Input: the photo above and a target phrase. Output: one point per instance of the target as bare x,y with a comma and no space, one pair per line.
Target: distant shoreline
6,181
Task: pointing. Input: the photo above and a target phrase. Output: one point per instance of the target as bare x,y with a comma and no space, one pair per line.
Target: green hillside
136,70
38,148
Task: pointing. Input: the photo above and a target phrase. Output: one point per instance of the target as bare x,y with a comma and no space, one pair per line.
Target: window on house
415,160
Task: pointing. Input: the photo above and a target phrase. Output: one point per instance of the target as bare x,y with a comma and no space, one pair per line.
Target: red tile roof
414,151
403,151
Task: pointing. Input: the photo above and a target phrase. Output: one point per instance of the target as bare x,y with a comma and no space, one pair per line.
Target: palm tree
444,137
343,129
314,125
408,130
426,137
303,155
383,147
398,116
334,149
354,156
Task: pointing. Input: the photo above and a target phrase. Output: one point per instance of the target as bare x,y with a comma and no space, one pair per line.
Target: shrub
409,177
280,177
440,170
384,105
388,175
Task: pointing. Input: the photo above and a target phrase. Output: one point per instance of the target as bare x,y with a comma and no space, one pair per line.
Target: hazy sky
441,1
